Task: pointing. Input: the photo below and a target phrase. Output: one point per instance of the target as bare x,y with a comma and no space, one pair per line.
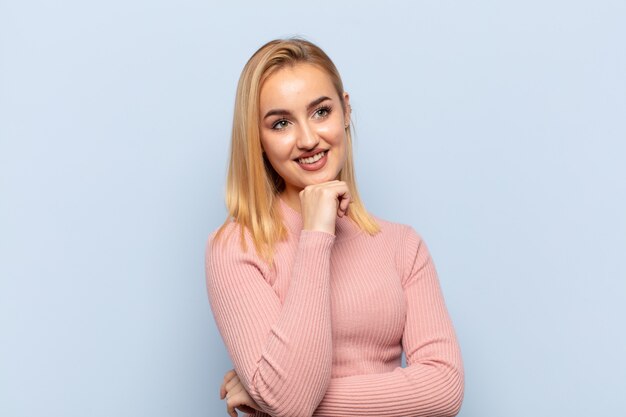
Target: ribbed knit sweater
322,332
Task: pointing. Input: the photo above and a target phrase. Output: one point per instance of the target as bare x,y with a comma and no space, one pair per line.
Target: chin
316,178
322,179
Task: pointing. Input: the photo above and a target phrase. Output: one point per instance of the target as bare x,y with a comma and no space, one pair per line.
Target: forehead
296,85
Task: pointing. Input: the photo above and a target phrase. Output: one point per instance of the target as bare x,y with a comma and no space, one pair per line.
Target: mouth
312,159
313,163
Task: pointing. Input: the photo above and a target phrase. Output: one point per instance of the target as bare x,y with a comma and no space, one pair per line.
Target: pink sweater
323,332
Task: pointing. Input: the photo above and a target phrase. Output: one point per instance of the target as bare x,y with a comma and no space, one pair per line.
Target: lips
312,159
317,164
310,153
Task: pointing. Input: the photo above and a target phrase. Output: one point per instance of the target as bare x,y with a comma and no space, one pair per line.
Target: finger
236,390
344,199
230,408
229,375
241,401
227,379
345,202
232,403
231,384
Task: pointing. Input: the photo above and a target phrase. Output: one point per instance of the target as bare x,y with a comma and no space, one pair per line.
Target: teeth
312,159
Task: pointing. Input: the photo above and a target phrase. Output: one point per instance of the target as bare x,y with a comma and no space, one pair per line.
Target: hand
322,203
236,395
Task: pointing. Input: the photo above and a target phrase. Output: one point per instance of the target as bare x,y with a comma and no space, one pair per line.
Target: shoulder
230,246
399,232
408,243
226,236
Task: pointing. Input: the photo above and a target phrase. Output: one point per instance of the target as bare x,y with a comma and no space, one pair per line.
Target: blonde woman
314,297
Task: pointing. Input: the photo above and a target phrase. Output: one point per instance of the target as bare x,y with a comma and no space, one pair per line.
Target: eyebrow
282,112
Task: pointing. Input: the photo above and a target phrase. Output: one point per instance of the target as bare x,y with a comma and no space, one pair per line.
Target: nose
307,138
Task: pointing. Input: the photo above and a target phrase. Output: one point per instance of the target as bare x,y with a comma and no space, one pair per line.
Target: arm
433,381
281,353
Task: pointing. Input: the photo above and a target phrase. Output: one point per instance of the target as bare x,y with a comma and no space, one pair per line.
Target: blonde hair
252,184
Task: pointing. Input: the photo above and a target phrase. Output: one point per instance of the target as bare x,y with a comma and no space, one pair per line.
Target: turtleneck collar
345,228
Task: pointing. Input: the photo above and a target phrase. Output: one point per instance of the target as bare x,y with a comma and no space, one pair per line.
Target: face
303,126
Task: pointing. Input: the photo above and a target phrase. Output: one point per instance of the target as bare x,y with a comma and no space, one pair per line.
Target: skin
236,396
304,123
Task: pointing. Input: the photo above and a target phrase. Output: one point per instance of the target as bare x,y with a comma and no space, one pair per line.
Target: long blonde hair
252,184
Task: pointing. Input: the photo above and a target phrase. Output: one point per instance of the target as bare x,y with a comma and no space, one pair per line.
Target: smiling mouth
312,159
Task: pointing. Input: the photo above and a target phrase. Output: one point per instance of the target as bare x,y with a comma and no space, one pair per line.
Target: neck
292,199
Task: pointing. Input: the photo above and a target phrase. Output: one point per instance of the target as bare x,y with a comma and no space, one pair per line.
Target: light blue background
496,129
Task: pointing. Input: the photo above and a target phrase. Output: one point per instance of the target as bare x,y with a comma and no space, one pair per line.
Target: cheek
336,135
278,149
334,131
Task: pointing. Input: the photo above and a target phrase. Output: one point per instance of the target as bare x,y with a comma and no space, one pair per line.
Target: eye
280,124
322,112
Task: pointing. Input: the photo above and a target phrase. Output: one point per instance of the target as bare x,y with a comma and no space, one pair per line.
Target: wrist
326,228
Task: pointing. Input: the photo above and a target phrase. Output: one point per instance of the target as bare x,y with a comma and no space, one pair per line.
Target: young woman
314,297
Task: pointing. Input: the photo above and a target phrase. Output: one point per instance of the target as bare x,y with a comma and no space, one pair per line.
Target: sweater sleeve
282,353
432,383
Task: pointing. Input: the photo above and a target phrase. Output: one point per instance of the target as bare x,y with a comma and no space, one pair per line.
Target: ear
347,109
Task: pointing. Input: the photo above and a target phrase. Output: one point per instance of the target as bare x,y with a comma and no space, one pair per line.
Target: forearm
294,369
416,391
282,352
